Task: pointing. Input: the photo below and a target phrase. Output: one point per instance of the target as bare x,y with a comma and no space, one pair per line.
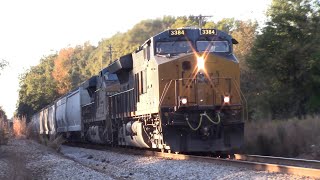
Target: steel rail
279,160
258,166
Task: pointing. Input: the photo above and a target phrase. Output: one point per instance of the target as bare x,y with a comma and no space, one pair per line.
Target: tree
3,115
285,58
184,21
61,71
227,25
37,87
245,34
3,63
79,60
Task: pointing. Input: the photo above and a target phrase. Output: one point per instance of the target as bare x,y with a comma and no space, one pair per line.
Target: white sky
31,29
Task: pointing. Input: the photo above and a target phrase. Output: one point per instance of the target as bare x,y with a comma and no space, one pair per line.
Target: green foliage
185,21
3,115
37,87
285,57
4,135
227,25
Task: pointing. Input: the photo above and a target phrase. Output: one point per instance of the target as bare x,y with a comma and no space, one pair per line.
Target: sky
32,29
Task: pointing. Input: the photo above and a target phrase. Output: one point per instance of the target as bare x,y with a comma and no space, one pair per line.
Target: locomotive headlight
183,100
226,99
200,63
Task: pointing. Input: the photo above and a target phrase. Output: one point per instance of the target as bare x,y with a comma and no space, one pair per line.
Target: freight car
179,91
44,122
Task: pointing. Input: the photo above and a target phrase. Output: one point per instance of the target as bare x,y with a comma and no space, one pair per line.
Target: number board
177,32
208,32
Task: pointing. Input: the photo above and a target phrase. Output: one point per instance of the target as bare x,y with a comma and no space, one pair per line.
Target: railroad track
301,167
280,160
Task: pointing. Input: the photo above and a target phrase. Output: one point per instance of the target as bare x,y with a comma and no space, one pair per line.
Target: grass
53,141
286,138
56,142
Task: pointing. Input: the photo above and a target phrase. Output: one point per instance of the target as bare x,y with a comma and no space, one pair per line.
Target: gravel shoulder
26,159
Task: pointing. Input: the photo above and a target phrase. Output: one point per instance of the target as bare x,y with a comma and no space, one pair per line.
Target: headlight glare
226,99
200,63
183,100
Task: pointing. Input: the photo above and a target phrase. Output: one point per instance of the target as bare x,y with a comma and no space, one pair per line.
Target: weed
55,142
19,127
4,133
287,138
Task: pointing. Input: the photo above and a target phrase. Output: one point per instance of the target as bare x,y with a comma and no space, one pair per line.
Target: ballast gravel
126,166
26,159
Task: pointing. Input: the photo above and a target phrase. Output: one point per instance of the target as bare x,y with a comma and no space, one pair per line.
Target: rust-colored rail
279,160
250,164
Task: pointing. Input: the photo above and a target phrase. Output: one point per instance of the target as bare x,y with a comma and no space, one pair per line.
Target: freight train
179,91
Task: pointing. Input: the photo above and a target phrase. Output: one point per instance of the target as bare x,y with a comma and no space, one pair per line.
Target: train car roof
92,82
111,77
124,63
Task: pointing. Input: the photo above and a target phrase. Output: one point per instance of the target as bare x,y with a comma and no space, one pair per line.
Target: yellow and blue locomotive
179,91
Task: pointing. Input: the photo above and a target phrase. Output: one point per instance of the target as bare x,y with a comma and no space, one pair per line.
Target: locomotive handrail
87,104
211,80
122,92
168,84
165,90
243,97
236,85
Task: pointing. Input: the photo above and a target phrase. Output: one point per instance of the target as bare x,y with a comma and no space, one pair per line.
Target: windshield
213,46
173,47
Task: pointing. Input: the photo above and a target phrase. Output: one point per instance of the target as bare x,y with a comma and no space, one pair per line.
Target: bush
55,142
19,127
31,133
4,133
287,138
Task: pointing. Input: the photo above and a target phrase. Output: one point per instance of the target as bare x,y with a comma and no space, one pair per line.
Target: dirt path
25,159
13,163
16,166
